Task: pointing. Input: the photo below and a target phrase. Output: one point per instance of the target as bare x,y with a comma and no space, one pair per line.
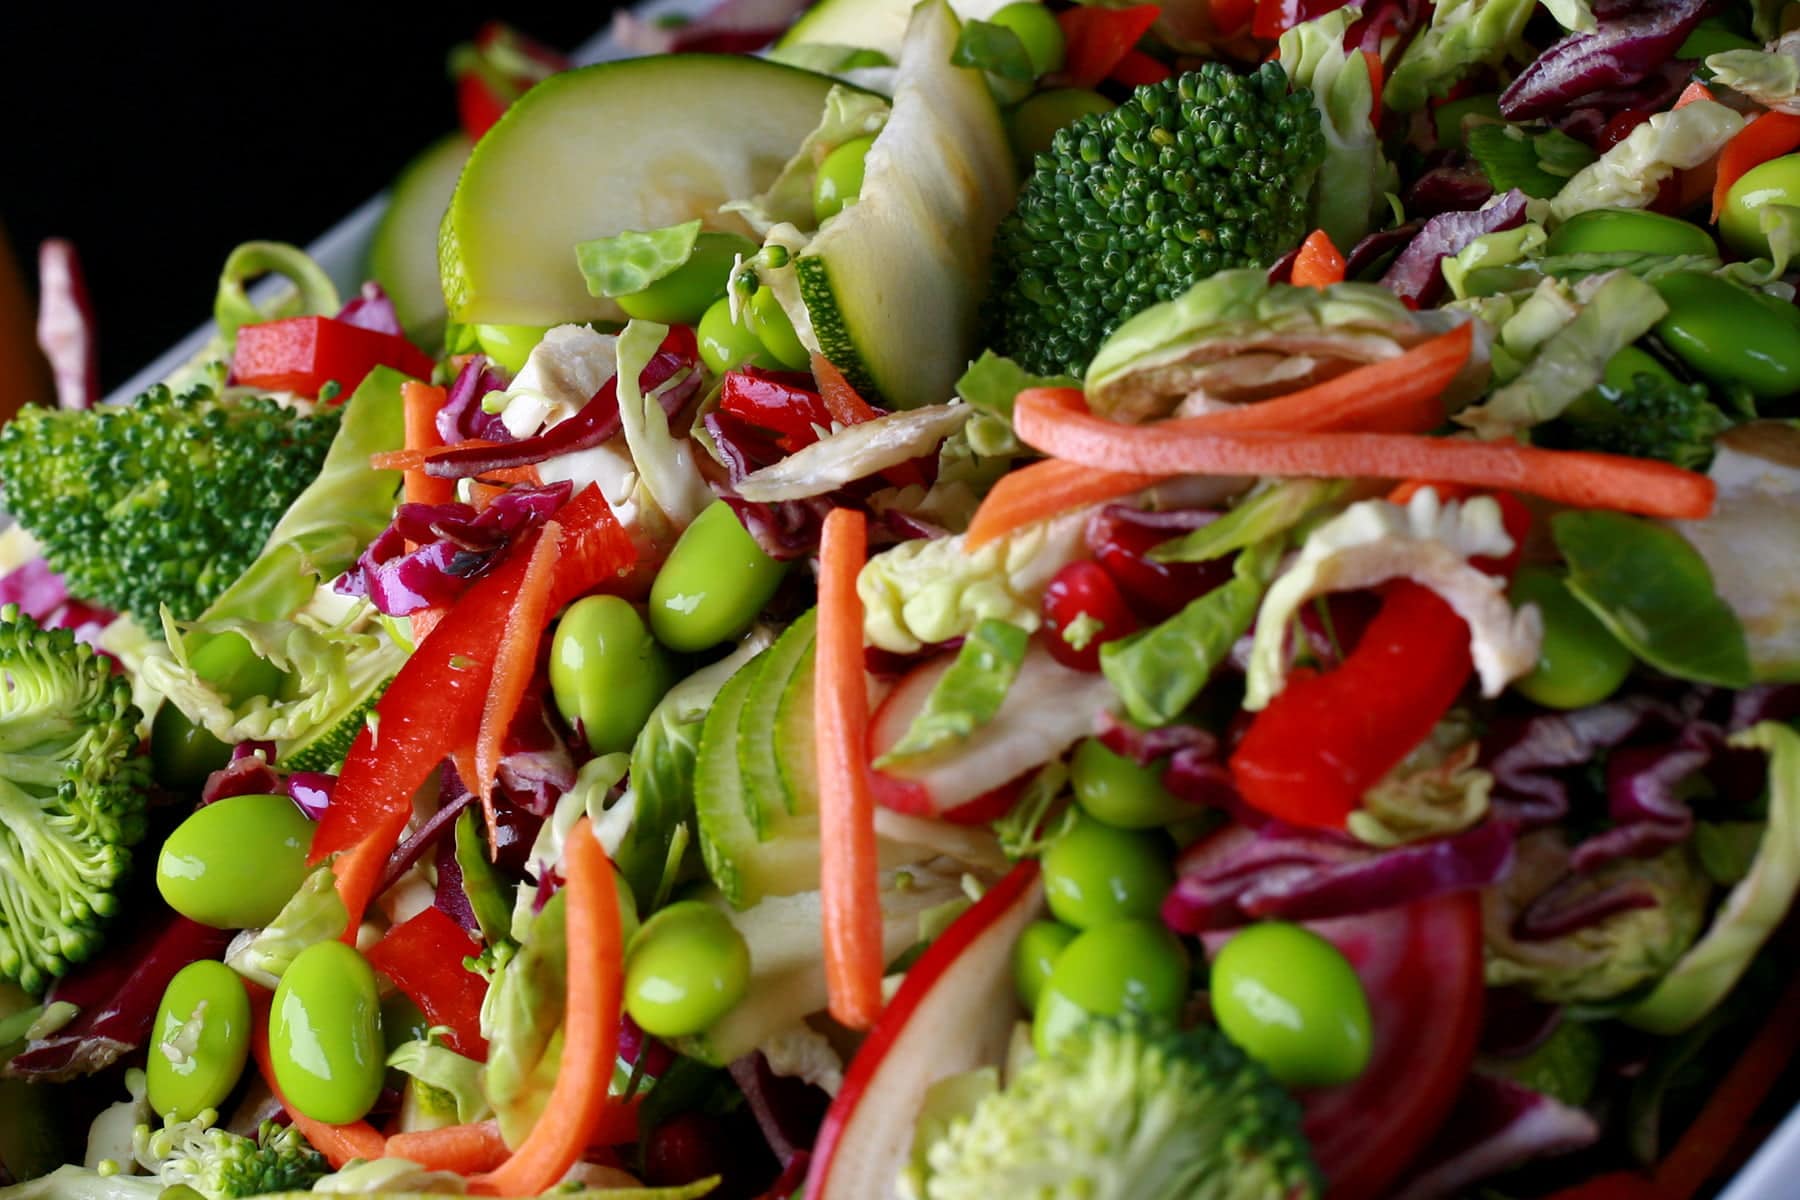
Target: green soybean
234,863
839,179
1740,221
1096,874
1122,793
1292,1001
1034,958
509,345
726,344
1629,230
325,1038
1580,662
1621,369
199,1040
1032,126
606,672
1730,334
183,754
1125,967
1037,30
769,322
714,583
687,967
683,295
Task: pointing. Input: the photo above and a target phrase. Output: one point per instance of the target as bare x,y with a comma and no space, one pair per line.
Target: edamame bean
1621,369
234,863
1125,967
1740,221
1730,334
715,582
1034,958
1095,874
509,345
1114,789
1580,662
606,672
687,967
183,754
839,179
725,344
684,294
1037,30
325,1038
1629,230
199,1040
1292,1001
769,322
1032,125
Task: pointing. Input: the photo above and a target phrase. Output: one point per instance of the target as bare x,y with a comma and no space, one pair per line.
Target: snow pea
200,1040
839,179
234,863
725,343
1292,1001
1096,874
1115,789
606,672
1730,334
687,967
1037,30
714,583
325,1038
1740,221
1034,958
1032,125
1580,662
1111,970
683,295
1614,230
183,754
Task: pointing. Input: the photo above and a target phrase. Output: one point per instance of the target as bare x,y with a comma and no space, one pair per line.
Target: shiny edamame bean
234,863
325,1038
1292,1001
509,345
1580,661
182,754
687,967
1095,874
726,344
714,583
1034,958
1621,369
606,671
1037,30
1730,334
770,323
839,179
683,295
1032,125
199,1040
1740,221
1629,230
1111,970
1114,789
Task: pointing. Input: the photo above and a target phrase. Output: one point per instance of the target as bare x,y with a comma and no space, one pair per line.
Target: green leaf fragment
967,696
994,49
631,261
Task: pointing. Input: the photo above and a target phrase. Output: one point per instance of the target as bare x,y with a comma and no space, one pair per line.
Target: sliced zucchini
762,752
403,255
870,24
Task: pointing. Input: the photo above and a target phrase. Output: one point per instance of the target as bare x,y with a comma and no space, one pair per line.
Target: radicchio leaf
1525,756
1649,814
1495,1125
1449,189
1415,276
1624,49
371,309
462,417
247,774
41,595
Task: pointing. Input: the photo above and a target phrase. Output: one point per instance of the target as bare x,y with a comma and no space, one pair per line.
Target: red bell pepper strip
1309,757
495,69
432,710
424,957
514,664
1100,38
302,354
778,401
1137,69
1275,17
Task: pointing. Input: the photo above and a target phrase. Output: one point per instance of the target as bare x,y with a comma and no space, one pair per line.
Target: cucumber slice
891,285
870,24
326,748
762,752
403,255
640,143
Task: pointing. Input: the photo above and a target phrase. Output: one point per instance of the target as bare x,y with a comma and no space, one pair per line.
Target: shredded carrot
1691,93
1769,136
412,458
1046,419
847,867
841,400
465,1149
484,487
420,403
1319,265
338,1143
424,621
359,870
513,667
1398,395
578,1100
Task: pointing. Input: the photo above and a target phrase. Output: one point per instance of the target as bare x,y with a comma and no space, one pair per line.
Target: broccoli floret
1129,1111
165,500
1132,207
1655,417
222,1165
72,797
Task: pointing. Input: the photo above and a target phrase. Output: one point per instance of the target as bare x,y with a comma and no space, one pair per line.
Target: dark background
159,136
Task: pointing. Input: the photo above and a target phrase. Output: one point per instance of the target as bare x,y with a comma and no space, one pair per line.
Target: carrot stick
1319,265
847,867
484,487
412,458
338,1143
1048,420
1691,93
1769,136
841,400
359,871
513,667
1398,395
465,1149
578,1101
420,403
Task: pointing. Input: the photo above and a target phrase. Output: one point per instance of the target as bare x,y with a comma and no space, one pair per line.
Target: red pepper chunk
1100,38
779,401
424,955
302,354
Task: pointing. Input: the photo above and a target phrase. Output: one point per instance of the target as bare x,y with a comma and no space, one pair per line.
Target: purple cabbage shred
1629,45
1414,275
371,309
1495,1125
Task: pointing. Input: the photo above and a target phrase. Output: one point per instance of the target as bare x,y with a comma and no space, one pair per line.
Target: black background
158,136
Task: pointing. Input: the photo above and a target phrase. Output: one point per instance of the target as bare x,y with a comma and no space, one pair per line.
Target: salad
979,599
